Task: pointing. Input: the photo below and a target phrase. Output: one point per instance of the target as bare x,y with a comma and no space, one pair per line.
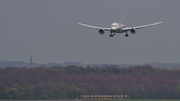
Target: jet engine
101,31
133,31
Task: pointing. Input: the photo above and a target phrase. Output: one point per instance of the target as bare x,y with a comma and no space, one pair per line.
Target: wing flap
90,26
149,25
140,27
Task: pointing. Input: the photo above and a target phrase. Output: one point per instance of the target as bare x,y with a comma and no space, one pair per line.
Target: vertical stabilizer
123,17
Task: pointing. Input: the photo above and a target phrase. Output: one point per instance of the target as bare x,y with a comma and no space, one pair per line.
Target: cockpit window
113,25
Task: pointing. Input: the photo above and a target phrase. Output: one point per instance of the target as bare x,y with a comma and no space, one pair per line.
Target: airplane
119,28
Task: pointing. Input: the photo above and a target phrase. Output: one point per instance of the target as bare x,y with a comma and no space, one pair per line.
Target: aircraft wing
90,26
140,27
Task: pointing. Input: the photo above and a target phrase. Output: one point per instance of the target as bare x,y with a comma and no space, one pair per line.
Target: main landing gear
126,35
111,35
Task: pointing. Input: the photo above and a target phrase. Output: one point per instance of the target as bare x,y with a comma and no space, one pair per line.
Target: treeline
71,82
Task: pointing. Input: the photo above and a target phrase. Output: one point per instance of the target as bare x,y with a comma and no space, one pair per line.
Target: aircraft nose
114,28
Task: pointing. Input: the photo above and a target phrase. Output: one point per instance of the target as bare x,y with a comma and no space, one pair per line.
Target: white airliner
119,28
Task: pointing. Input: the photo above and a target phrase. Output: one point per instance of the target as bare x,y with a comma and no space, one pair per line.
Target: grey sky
47,30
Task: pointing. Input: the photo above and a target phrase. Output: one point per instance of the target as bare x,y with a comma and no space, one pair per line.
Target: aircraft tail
123,17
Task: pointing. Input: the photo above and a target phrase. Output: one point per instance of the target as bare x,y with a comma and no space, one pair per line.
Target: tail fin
123,17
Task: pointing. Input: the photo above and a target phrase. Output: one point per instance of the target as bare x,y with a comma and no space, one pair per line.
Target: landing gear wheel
110,35
126,35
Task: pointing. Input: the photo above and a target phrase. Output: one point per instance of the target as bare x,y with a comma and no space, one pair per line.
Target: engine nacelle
101,31
133,31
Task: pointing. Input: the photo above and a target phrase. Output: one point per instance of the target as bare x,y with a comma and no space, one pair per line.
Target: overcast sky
47,30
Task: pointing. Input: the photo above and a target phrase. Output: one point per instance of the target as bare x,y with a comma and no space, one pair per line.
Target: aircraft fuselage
117,27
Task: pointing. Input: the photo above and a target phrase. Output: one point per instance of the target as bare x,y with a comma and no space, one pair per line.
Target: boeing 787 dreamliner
119,28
